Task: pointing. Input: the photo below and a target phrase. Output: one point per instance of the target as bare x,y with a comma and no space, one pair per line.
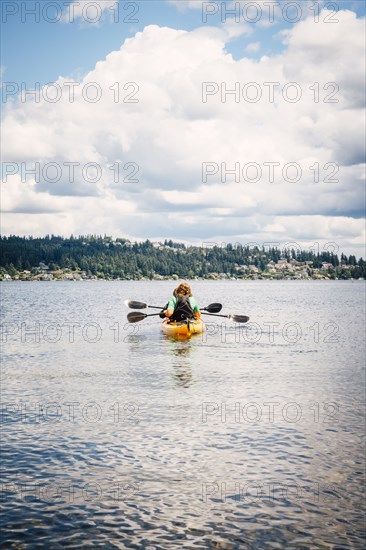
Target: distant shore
103,258
80,277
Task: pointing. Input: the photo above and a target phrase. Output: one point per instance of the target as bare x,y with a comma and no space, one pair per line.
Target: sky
201,122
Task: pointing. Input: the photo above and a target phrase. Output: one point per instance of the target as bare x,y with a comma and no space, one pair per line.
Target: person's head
183,290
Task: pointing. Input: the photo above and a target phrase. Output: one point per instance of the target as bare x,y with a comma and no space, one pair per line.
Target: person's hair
183,290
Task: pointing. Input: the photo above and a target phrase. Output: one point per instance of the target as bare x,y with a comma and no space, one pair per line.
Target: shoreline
232,279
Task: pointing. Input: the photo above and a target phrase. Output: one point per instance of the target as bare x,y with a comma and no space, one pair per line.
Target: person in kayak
182,305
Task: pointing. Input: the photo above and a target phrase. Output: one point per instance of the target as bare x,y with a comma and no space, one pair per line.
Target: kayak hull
185,329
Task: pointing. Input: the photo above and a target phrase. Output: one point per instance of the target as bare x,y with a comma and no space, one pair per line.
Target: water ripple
216,442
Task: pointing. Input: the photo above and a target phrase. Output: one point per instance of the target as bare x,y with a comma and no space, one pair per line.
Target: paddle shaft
235,318
136,317
150,314
216,315
212,308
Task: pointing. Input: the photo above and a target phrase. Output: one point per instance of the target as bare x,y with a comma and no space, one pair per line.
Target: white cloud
46,213
253,47
170,132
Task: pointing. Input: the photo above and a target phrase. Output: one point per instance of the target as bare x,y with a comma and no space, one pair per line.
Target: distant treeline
119,258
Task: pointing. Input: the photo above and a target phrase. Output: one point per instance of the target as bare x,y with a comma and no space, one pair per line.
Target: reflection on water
180,354
136,339
234,439
182,374
181,363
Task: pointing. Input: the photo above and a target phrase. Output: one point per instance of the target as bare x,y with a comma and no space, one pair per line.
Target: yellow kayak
186,328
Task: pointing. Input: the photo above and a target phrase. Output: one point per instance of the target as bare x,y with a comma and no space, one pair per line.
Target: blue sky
41,51
170,133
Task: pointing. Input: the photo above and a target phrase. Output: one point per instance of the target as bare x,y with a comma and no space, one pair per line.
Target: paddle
212,308
235,318
139,305
136,316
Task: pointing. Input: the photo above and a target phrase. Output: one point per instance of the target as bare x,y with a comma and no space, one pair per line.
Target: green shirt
173,302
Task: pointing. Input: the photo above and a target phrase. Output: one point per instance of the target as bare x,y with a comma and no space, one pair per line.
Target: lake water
115,436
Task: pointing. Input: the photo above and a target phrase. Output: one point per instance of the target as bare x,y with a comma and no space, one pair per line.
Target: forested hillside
104,257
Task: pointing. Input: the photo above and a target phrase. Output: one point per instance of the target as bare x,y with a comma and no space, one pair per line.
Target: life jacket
183,309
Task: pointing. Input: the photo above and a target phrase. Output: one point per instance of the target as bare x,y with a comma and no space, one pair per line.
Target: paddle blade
136,316
135,305
213,308
239,318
